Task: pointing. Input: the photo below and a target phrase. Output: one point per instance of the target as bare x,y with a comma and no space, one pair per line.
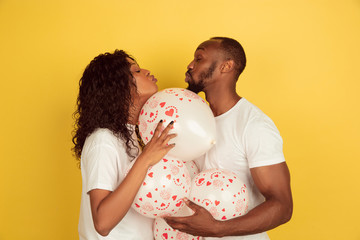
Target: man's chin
193,88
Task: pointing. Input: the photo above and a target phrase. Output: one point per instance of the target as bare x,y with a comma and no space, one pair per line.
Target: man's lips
187,77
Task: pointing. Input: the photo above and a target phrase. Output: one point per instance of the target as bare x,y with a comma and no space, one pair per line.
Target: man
248,144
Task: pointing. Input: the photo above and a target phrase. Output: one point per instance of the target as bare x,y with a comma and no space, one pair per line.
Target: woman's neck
135,109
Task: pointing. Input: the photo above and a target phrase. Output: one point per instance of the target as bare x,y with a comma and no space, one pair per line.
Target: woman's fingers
158,129
164,133
161,135
169,137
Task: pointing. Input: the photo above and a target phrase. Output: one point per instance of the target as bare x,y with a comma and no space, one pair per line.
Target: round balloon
163,189
194,122
221,192
163,231
192,167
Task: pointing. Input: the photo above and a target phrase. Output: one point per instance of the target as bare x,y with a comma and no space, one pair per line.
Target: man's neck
221,100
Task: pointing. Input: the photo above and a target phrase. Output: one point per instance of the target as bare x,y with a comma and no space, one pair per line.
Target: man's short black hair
234,51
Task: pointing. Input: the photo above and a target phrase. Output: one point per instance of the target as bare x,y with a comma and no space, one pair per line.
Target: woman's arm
108,208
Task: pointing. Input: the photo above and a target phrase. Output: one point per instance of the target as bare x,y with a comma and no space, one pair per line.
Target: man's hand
272,181
201,223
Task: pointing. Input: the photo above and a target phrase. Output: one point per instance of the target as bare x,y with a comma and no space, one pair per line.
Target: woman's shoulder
102,133
101,136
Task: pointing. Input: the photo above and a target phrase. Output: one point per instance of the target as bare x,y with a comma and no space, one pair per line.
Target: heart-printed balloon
163,189
162,231
194,122
192,167
221,192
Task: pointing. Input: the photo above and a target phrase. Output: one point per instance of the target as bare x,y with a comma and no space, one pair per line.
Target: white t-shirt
104,163
246,138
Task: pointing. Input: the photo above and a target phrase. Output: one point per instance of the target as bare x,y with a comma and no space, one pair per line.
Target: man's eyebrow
200,48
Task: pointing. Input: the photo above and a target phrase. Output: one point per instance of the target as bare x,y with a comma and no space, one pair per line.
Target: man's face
202,67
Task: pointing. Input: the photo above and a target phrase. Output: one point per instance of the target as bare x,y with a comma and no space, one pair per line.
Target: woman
113,90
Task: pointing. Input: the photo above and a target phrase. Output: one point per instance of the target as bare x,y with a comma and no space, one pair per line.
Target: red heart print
169,113
151,114
201,180
208,183
162,104
165,160
179,204
142,111
165,235
151,174
174,197
140,199
149,195
180,99
223,218
168,176
162,205
230,180
137,205
223,209
217,202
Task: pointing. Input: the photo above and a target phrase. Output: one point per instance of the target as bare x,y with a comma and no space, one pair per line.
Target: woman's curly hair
104,99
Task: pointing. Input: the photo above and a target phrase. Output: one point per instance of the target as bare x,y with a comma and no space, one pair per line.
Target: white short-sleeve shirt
104,163
246,138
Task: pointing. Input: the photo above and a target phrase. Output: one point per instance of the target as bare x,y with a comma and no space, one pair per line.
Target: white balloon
163,231
192,167
164,187
194,122
221,192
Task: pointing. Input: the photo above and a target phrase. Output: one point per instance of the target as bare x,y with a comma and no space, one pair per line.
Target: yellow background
303,71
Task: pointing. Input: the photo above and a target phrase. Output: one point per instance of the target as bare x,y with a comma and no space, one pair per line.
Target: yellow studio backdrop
303,71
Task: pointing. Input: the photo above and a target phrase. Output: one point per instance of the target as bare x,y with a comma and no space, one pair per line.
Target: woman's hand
158,146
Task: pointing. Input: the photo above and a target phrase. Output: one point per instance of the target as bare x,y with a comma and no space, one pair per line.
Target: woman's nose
147,72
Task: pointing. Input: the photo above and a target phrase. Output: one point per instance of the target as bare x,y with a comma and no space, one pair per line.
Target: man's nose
191,65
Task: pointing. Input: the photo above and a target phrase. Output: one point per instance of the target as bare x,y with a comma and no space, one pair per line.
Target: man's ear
228,66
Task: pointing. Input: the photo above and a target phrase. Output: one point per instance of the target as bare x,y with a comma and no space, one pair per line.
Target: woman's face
145,83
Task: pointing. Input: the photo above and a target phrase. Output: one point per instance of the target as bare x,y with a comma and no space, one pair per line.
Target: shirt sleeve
263,143
101,168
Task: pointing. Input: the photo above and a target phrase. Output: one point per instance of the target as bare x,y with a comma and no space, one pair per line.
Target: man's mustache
188,72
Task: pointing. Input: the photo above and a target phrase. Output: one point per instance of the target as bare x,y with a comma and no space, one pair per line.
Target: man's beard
196,87
200,85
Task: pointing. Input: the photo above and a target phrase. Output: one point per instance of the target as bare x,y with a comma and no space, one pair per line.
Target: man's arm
273,182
